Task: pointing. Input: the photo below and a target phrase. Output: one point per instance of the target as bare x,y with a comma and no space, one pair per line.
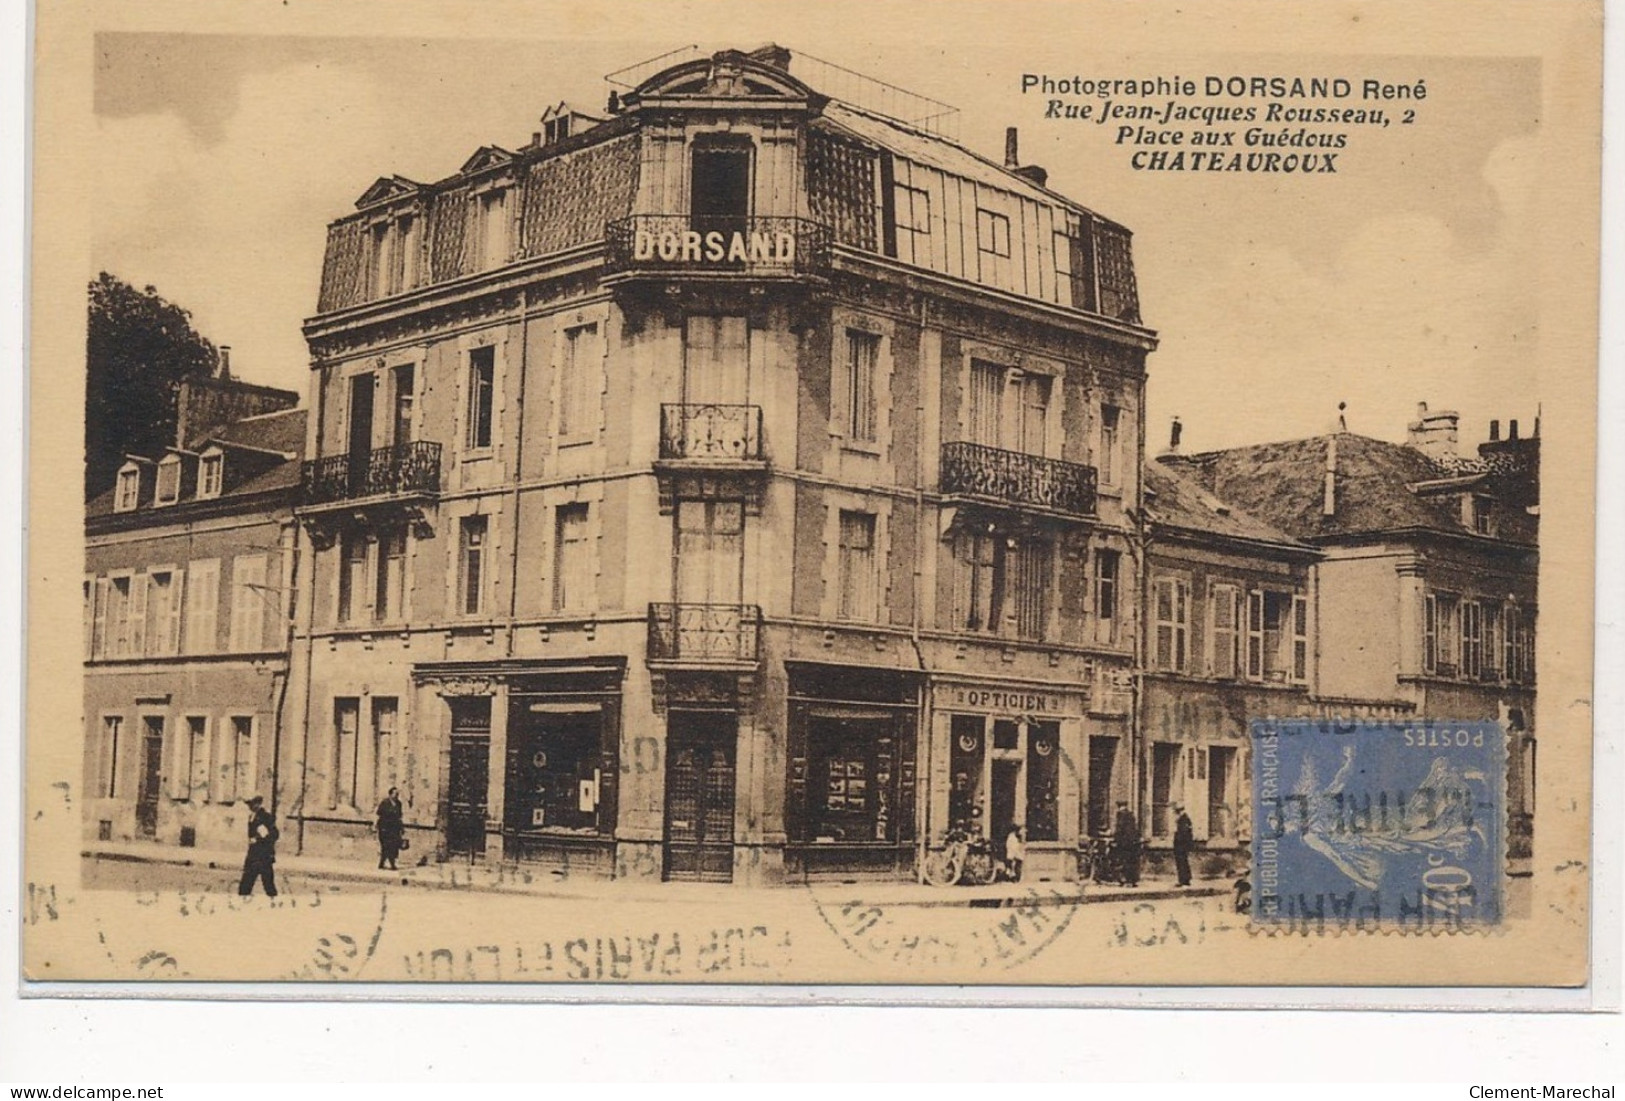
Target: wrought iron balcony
672,244
1011,477
711,432
705,634
401,471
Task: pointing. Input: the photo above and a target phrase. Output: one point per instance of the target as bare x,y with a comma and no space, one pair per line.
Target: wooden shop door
700,751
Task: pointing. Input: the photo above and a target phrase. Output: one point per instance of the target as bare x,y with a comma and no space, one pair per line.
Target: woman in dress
390,829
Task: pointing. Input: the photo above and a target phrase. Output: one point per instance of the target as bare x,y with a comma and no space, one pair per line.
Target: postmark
1363,825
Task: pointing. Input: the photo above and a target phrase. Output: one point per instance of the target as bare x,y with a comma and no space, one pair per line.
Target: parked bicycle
966,857
1093,863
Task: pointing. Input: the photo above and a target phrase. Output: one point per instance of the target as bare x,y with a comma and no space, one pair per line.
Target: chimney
1034,173
1434,433
225,361
1495,431
1010,158
1174,431
1512,429
1328,499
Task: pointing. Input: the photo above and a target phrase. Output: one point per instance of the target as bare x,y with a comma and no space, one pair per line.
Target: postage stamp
1379,824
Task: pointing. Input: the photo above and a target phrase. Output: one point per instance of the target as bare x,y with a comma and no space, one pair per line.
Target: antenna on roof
1342,421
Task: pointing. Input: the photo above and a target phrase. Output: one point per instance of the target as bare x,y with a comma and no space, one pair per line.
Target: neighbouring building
1425,589
735,485
186,606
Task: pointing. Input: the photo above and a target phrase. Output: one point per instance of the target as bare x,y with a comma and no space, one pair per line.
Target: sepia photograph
739,502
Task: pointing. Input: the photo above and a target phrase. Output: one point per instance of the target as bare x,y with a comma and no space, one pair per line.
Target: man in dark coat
1126,847
390,828
261,861
1184,842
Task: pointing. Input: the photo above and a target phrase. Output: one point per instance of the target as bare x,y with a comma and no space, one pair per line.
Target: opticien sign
692,247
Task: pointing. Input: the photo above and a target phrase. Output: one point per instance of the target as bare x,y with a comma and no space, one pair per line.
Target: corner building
734,487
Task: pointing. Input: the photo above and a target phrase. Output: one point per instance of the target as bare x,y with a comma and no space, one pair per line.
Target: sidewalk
548,883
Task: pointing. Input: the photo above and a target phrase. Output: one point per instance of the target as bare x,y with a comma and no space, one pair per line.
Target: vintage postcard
1080,494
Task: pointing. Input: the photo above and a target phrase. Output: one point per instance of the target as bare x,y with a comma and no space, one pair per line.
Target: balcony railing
705,633
697,244
403,470
711,432
976,470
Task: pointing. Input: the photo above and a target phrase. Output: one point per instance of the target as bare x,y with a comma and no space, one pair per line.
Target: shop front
852,772
1009,756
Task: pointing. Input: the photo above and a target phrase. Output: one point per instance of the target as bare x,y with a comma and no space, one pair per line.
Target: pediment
727,75
485,158
386,188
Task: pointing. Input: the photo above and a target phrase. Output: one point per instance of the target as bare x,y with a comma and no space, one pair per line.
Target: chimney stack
1434,433
225,361
1174,431
1328,499
1512,429
1010,158
1495,431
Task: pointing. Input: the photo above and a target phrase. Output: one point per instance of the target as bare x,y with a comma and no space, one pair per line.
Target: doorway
720,184
699,835
1221,799
152,776
466,795
1102,766
1164,759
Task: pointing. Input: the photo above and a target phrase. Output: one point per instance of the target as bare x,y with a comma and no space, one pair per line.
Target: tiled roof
1176,501
282,431
1284,484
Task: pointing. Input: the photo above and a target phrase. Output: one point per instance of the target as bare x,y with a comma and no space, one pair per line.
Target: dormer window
211,471
128,492
168,489
1482,515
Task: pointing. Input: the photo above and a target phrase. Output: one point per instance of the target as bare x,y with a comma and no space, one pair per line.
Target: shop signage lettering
693,247
1026,703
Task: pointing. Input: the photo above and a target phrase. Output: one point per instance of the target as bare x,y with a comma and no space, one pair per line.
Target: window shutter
138,615
1430,634
172,629
98,641
202,604
1300,638
178,753
1255,634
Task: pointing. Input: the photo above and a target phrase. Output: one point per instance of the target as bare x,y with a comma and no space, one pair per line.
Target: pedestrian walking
260,863
1184,842
391,829
1126,847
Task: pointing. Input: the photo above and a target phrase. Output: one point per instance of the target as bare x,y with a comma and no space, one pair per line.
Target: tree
139,349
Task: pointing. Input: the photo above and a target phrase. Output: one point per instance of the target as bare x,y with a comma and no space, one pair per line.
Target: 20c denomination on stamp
1363,825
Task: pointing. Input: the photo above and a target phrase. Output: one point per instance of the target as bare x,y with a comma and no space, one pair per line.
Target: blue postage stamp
1377,825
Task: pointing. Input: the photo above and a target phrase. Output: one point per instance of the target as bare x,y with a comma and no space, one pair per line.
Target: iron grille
705,632
399,470
711,431
977,470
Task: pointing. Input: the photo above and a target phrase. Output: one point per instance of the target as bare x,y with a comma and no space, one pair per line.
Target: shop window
555,770
481,388
572,561
862,361
471,571
857,566
1043,781
107,756
852,771
1171,608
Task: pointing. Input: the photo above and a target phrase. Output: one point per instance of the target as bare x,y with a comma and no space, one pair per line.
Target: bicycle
965,858
1093,863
